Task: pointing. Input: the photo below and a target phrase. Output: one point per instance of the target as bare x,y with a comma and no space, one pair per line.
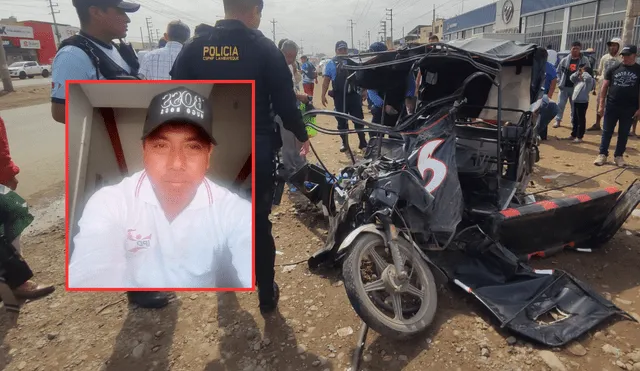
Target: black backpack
102,62
342,74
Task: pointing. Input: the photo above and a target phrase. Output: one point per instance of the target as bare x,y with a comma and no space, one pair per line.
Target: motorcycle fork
392,235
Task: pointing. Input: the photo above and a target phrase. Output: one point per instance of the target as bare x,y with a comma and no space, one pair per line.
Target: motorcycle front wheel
392,307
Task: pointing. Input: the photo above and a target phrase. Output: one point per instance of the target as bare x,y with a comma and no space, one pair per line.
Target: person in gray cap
619,104
167,225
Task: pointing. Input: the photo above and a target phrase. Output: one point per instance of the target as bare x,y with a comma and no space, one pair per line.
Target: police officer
235,50
92,55
347,102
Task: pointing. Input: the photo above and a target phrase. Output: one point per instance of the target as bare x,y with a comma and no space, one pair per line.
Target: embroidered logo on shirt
141,243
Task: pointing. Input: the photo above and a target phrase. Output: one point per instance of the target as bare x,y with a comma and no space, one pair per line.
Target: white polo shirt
125,240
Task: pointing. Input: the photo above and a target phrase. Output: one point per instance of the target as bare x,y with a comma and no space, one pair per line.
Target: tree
7,84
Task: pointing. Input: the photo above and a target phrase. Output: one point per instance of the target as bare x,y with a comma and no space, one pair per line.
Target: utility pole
390,15
157,34
7,83
142,37
55,24
301,47
433,23
369,37
149,25
383,25
351,26
633,11
273,22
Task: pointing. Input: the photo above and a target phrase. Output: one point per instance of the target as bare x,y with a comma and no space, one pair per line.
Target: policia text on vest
220,53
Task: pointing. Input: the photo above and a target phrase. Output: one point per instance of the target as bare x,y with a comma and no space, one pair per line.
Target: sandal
31,290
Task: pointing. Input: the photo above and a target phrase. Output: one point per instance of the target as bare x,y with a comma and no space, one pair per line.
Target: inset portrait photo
159,180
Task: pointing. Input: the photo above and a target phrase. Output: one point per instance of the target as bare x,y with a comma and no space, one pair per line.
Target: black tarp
495,49
547,306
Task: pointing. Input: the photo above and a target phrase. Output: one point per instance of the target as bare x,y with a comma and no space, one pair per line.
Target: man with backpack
92,55
309,75
346,96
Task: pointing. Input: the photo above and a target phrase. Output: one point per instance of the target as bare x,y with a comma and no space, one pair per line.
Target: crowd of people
284,84
616,83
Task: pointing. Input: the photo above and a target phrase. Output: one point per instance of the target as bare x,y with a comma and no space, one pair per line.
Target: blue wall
476,17
535,6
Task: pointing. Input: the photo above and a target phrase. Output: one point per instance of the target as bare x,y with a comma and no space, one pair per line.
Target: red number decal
426,162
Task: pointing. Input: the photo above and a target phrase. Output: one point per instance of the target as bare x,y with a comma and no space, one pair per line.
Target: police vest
342,74
101,61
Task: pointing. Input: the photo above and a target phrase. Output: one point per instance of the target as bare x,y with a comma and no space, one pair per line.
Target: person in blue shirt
101,22
309,75
350,103
389,112
545,107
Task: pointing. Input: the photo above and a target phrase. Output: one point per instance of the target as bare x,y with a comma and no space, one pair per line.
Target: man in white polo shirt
166,226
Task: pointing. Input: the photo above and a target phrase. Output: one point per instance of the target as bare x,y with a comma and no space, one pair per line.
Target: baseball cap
377,47
179,105
342,45
629,49
615,40
127,6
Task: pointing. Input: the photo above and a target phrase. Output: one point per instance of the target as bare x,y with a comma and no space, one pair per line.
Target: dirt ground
210,331
25,96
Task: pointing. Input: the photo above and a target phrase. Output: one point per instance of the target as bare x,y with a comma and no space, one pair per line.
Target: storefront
45,33
17,42
548,22
33,40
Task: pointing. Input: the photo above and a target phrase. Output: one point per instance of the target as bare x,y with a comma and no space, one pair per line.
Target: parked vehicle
29,69
450,198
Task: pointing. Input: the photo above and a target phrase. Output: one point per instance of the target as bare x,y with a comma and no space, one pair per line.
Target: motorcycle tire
364,306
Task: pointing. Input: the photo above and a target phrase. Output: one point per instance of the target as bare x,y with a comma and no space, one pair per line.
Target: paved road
39,80
37,147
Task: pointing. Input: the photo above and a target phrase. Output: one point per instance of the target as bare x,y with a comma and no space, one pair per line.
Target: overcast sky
312,24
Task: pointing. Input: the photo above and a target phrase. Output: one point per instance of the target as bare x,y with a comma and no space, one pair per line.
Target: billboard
16,31
29,44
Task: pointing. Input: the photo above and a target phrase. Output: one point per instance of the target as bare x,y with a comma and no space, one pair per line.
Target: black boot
148,299
363,141
345,143
268,303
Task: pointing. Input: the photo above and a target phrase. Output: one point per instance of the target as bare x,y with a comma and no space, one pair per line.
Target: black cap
127,6
179,105
342,45
629,50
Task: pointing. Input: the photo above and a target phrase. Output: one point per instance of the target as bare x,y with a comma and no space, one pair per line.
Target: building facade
547,22
32,40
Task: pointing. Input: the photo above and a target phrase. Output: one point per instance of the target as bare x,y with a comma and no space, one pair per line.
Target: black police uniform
349,101
232,51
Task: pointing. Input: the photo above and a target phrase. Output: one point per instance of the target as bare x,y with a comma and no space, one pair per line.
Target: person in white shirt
552,55
167,226
156,64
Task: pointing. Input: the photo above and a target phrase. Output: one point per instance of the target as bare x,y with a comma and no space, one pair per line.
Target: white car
321,66
29,69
